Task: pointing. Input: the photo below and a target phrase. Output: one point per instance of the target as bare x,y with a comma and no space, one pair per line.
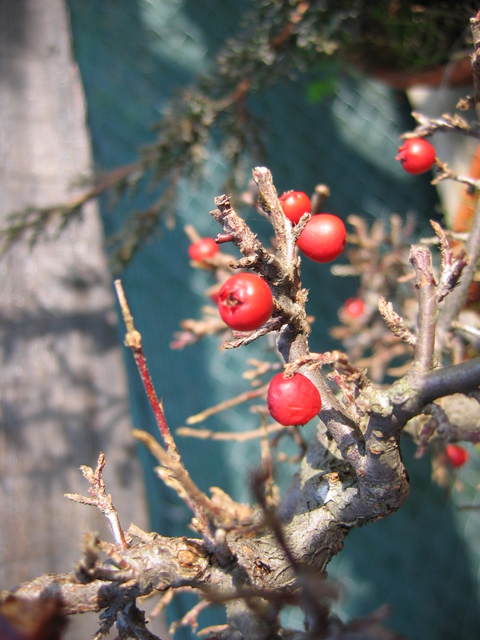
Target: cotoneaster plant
293,401
416,155
245,302
323,238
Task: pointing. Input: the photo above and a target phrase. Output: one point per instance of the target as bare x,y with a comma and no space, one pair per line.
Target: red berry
323,238
354,307
293,400
204,249
295,204
457,456
416,155
245,302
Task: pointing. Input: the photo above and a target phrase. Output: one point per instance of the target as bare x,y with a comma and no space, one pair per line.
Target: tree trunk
63,394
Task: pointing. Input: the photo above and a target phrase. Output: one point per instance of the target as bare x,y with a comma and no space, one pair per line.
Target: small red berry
295,204
416,155
354,307
293,401
204,249
457,456
245,302
323,238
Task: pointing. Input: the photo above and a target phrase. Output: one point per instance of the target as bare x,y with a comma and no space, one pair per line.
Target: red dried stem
133,339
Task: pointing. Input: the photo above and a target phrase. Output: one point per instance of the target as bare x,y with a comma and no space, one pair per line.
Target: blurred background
82,84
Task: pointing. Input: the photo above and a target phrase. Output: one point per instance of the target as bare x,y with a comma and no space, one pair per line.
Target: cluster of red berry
245,301
324,236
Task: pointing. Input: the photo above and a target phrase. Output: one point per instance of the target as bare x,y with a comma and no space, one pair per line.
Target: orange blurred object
463,217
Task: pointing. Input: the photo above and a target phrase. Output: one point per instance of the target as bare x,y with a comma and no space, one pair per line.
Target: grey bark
63,394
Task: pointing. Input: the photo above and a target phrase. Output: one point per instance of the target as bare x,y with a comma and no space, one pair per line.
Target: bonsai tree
257,559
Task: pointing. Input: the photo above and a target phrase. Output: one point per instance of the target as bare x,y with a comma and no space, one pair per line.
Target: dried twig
178,478
428,126
133,339
227,404
101,499
448,174
274,324
190,618
395,322
451,268
458,296
243,436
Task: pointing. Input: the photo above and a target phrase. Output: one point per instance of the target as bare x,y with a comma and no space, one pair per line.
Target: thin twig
243,436
451,268
133,339
190,618
274,324
395,322
458,297
427,126
180,480
227,404
100,499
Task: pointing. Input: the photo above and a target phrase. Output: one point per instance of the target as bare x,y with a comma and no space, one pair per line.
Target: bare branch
179,479
259,258
274,324
458,378
227,404
133,339
448,174
101,499
395,322
421,259
458,297
242,436
451,268
268,199
427,127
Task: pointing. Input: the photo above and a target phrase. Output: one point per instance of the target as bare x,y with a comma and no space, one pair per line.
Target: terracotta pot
454,74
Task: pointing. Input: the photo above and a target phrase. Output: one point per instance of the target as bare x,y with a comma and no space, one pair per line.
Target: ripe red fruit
245,302
295,204
323,238
204,249
354,307
416,155
293,400
457,456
